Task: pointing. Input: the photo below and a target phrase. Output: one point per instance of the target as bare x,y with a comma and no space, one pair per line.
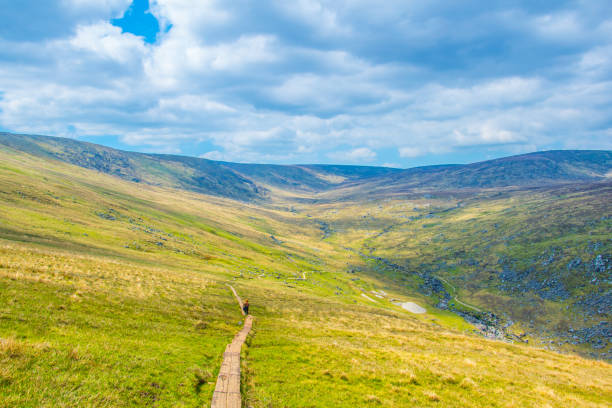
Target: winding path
227,390
455,295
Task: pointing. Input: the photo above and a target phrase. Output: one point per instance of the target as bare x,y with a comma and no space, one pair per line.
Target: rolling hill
193,174
244,182
527,170
114,265
248,182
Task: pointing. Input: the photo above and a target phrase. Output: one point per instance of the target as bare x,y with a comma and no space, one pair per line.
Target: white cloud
410,152
332,93
189,18
234,56
358,155
107,41
214,155
185,107
596,62
112,7
562,26
487,134
180,61
320,17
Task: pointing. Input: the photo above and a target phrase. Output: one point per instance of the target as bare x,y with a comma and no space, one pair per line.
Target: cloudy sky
394,82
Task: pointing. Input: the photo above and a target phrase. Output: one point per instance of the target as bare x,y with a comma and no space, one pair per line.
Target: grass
362,356
96,332
468,247
113,294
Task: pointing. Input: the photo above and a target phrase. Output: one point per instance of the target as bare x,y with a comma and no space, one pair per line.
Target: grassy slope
113,295
87,331
243,182
189,173
534,233
323,353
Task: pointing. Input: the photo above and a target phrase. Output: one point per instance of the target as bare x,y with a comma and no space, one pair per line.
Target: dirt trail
227,390
455,295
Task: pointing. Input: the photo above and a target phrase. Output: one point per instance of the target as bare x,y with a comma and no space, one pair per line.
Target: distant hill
307,177
527,170
243,182
247,182
199,175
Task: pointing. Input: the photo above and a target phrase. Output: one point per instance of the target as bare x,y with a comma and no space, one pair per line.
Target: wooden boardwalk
227,390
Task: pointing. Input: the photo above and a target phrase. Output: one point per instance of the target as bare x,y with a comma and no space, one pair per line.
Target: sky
395,83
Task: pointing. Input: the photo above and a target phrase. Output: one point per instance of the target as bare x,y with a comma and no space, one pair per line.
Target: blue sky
398,83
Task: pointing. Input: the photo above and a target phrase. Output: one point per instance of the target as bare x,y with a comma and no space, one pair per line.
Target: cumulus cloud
96,6
354,156
408,151
106,41
316,81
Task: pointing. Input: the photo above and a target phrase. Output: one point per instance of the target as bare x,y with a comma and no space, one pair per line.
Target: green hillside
258,182
113,290
243,182
537,264
199,175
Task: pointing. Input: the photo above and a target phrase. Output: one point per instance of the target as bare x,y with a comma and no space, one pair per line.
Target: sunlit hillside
114,293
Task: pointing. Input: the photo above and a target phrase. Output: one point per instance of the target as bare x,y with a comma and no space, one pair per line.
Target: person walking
245,306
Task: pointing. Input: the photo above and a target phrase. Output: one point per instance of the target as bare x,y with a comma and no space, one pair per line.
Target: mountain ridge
254,181
537,169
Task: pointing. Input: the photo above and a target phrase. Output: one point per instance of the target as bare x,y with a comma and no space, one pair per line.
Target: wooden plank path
227,390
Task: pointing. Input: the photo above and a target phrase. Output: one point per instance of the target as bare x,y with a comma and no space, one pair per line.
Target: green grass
88,331
470,245
357,355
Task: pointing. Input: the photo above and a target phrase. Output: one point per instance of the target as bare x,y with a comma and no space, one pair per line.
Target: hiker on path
245,306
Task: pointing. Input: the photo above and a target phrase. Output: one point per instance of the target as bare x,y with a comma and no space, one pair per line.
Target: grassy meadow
319,352
81,330
113,294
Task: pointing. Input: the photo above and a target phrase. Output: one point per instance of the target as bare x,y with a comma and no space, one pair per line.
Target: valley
114,265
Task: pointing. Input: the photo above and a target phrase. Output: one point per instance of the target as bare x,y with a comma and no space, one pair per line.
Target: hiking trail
227,390
455,295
